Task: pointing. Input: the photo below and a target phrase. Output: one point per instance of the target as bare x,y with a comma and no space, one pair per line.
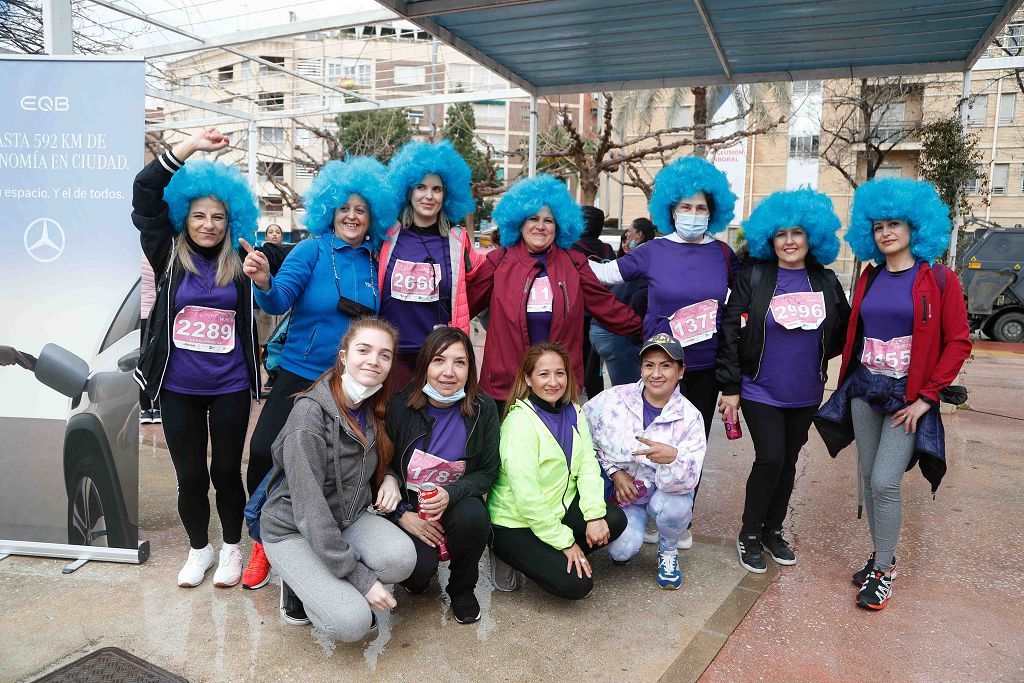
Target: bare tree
21,29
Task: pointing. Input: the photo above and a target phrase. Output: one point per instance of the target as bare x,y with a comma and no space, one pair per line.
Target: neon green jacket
534,487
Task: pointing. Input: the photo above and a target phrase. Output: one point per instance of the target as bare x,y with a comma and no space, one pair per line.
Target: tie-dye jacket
616,418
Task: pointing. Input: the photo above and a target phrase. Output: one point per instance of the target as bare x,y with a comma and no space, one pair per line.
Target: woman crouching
316,526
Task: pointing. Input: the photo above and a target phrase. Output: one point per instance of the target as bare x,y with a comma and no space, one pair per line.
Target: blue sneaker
669,576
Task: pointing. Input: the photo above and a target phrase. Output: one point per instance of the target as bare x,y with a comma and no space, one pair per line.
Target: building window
680,117
314,68
470,77
271,205
415,116
267,70
889,173
977,110
806,87
1013,41
226,73
304,138
271,169
350,73
489,115
271,136
270,101
493,144
410,75
802,146
303,171
1000,178
1007,103
974,184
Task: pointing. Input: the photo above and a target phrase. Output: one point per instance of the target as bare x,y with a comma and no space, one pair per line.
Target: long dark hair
377,404
436,343
521,391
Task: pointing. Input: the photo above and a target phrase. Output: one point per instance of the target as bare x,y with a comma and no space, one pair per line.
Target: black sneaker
155,418
876,591
860,577
776,546
751,556
465,608
416,590
291,607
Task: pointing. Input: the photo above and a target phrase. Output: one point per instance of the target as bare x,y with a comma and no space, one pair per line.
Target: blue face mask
690,226
433,393
632,245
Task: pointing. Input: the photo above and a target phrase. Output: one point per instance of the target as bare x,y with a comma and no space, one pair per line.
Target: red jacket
940,343
503,281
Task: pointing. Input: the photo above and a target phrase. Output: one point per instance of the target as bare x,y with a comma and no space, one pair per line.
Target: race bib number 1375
695,323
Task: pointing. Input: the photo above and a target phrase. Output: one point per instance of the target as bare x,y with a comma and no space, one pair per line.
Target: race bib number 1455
891,358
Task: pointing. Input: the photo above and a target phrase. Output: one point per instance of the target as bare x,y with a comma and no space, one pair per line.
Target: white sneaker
685,543
198,563
229,566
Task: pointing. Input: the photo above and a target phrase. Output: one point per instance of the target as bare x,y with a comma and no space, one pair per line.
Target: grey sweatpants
334,605
883,455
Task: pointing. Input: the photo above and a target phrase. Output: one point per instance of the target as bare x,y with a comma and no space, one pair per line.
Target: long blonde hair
229,264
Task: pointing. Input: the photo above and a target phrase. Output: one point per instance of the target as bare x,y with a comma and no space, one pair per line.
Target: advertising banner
731,160
71,141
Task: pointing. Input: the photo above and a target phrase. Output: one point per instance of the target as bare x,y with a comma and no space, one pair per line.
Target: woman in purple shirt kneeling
445,432
774,368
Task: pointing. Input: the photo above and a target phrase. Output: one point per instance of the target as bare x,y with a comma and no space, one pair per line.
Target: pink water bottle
732,427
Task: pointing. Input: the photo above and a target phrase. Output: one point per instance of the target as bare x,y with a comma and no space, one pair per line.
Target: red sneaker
257,573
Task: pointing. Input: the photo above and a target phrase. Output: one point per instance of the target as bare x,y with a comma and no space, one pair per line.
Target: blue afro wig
526,197
203,178
684,178
416,159
333,185
811,210
913,201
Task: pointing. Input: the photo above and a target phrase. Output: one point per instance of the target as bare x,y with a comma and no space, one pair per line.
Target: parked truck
990,268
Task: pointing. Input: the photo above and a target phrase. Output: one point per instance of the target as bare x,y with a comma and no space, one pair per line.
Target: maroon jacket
503,281
940,343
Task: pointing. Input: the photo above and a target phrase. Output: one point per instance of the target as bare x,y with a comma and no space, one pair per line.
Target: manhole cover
111,665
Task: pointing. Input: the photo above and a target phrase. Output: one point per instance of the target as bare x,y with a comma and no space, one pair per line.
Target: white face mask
433,393
356,392
690,226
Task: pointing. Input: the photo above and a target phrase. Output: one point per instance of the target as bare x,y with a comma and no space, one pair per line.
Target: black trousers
545,565
144,402
701,388
593,382
778,435
275,414
191,423
467,527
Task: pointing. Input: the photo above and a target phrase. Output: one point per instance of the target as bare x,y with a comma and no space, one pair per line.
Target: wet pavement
955,613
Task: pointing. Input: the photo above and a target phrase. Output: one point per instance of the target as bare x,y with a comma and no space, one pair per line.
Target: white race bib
541,296
210,330
417,282
695,323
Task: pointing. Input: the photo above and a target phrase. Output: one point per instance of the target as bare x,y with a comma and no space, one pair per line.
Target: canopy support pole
532,169
58,34
958,217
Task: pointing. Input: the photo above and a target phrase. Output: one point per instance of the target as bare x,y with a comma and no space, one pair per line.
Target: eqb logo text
45,103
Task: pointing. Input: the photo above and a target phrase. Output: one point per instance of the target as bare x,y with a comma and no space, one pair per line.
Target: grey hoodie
315,450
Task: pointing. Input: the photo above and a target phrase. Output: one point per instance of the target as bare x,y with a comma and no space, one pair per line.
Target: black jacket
740,350
149,214
406,425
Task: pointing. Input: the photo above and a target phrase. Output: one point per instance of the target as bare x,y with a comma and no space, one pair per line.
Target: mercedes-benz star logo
44,240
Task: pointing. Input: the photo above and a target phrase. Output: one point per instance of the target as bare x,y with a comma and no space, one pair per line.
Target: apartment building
384,62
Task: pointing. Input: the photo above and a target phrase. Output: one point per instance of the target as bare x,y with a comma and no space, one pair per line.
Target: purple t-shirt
539,303
650,412
887,313
790,372
448,436
680,275
417,286
205,373
562,425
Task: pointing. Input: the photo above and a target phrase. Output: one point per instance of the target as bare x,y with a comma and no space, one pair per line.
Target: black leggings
188,420
701,389
272,418
546,565
778,435
467,527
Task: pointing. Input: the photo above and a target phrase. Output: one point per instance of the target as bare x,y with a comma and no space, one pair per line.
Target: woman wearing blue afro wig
906,342
775,367
199,351
325,282
688,271
426,257
535,286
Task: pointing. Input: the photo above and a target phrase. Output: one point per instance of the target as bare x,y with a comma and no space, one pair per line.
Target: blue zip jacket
307,284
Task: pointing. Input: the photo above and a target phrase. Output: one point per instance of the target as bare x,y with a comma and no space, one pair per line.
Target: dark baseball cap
666,343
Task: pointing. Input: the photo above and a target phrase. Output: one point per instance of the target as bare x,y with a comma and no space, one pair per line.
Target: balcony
883,135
